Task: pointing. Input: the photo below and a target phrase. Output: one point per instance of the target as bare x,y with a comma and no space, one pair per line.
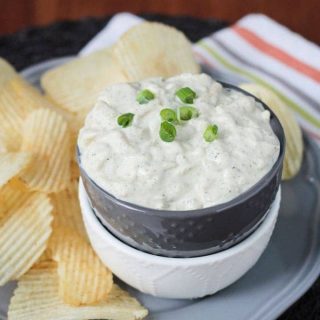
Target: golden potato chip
75,172
11,164
153,49
21,93
79,120
47,137
17,99
72,118
6,72
76,85
24,236
45,257
78,123
67,212
83,279
4,142
73,145
12,196
294,142
36,297
10,140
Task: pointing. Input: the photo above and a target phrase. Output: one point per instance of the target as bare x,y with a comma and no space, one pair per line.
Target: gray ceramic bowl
189,233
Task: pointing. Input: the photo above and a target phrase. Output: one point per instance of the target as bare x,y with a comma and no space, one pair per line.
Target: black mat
34,45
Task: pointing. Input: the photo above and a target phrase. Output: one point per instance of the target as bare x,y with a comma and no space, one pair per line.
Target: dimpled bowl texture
179,278
189,233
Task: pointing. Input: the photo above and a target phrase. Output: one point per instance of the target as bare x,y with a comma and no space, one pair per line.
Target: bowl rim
241,198
88,214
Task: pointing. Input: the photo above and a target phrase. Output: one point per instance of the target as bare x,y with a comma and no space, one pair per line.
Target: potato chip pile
43,243
36,297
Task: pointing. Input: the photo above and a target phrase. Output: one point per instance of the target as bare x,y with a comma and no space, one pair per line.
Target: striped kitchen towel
258,49
255,49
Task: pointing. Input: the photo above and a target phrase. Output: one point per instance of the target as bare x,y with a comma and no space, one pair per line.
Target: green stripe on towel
308,117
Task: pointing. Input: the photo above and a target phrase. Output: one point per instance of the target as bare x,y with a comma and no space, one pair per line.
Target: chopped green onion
186,95
125,120
211,133
167,131
187,113
168,115
144,96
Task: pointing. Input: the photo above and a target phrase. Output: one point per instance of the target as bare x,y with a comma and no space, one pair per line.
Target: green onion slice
168,115
186,113
144,96
167,131
186,95
211,133
125,120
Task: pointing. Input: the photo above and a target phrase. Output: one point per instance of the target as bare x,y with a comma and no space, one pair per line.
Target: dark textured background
301,16
34,45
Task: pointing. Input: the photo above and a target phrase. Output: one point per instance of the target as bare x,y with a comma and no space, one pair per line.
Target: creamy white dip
135,165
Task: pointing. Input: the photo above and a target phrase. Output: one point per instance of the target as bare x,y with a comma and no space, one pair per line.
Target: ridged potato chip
3,142
6,72
72,118
24,235
79,120
152,49
18,91
12,196
294,142
75,173
17,99
45,257
47,137
36,297
83,279
67,212
76,85
11,164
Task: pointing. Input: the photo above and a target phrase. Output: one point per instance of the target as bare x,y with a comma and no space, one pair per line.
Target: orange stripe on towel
277,53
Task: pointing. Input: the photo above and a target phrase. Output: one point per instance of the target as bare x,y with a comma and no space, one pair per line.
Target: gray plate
285,271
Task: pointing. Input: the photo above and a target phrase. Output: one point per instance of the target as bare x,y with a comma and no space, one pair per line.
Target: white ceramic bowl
177,277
